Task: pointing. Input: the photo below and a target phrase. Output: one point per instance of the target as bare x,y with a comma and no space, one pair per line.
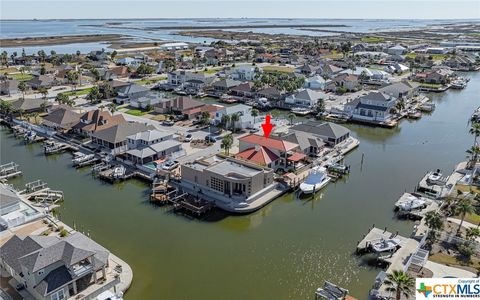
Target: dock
193,205
39,194
434,185
9,170
375,235
414,206
53,147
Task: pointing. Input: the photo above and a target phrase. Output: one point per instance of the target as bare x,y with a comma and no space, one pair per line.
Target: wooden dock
374,235
193,205
9,170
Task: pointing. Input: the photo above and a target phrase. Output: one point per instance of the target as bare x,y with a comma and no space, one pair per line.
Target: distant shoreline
59,40
252,26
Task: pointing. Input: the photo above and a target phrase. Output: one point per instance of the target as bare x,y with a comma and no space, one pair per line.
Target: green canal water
284,251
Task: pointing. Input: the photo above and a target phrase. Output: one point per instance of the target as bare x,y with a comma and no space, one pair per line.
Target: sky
333,9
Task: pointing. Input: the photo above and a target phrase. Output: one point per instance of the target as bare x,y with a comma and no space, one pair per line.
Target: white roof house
306,97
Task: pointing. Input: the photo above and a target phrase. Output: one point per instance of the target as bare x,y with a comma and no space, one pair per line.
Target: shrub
63,233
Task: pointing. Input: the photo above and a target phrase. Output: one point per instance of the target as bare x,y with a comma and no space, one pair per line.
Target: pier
53,147
9,170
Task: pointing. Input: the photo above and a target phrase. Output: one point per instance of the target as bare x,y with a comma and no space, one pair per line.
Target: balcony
81,270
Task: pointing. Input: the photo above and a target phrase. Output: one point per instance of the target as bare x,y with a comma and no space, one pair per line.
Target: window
217,184
58,295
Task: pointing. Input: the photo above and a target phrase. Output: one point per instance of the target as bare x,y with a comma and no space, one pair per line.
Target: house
328,70
397,50
305,97
231,184
462,62
271,93
54,268
9,200
441,76
114,138
243,72
343,82
42,81
243,111
330,133
116,85
96,120
8,87
397,68
117,72
61,119
180,77
273,152
127,92
147,101
100,55
224,85
27,105
308,143
180,106
151,145
373,107
174,46
404,90
308,70
244,90
316,82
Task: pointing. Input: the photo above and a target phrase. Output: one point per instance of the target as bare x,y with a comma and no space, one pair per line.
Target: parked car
188,138
253,130
168,123
210,139
170,165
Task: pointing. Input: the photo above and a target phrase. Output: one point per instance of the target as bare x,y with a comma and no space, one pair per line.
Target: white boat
459,84
339,168
414,114
427,106
82,158
434,177
315,181
108,295
412,203
118,172
301,111
384,245
263,103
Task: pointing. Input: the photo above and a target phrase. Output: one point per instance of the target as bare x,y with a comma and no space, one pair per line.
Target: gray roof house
114,139
9,200
62,119
309,143
8,86
373,107
305,97
401,90
29,105
52,267
150,145
127,92
330,133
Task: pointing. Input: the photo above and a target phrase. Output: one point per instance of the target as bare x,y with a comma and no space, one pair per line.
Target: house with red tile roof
271,152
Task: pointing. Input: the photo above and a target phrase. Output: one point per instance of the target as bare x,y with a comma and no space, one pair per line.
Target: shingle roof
304,139
62,117
98,120
28,104
322,129
54,280
119,133
376,96
7,196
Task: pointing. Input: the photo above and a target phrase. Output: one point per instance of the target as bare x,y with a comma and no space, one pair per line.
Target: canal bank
287,249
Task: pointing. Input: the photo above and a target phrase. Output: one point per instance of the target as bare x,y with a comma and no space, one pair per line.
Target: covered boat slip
315,181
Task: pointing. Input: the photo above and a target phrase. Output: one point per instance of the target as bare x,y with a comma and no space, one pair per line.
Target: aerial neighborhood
191,120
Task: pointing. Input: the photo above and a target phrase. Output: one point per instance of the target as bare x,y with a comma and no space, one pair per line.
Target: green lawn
372,39
78,92
136,112
209,71
280,69
150,80
432,85
21,77
411,55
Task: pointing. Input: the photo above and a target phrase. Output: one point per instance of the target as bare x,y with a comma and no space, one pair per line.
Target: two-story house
373,107
150,145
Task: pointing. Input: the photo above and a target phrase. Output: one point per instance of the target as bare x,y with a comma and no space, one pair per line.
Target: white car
170,165
188,138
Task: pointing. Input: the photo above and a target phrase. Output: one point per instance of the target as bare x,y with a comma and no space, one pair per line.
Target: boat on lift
315,181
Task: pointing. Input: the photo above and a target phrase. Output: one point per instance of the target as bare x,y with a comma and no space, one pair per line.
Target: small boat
228,100
262,103
434,177
427,107
414,114
412,203
301,111
315,181
109,295
30,136
338,168
384,245
82,158
118,172
458,84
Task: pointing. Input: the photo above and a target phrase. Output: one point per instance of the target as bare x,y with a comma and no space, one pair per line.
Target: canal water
284,251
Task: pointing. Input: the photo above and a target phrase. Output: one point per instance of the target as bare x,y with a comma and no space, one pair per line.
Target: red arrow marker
267,127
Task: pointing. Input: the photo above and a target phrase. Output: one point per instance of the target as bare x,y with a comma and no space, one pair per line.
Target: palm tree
22,86
44,91
254,113
400,283
5,107
225,120
205,117
400,105
227,143
43,106
474,151
234,119
112,107
106,90
463,208
472,233
434,222
475,131
61,98
72,77
291,116
94,94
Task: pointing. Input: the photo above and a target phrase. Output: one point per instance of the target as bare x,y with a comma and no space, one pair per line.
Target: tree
22,87
144,69
44,105
5,107
43,71
78,53
106,90
95,73
61,98
463,208
400,105
72,77
434,222
205,118
472,233
113,54
234,119
112,107
94,95
254,113
225,120
320,108
474,152
291,116
227,143
400,283
44,91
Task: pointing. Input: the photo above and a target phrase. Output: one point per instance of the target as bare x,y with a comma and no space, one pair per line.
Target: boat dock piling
9,170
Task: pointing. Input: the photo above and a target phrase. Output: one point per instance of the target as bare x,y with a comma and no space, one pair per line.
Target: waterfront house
397,50
224,85
440,76
180,106
8,87
61,119
9,201
127,92
53,268
271,93
272,152
305,98
309,143
231,184
244,112
462,62
343,82
99,55
243,73
180,77
113,140
404,90
373,107
244,90
96,120
330,133
151,145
